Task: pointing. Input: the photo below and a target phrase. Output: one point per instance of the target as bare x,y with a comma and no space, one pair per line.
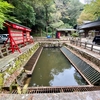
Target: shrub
75,35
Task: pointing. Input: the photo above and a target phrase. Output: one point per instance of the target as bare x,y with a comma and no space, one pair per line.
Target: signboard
18,34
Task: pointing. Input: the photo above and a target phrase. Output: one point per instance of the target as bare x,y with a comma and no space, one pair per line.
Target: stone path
95,95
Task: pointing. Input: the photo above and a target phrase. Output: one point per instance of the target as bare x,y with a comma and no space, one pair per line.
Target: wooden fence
4,50
86,45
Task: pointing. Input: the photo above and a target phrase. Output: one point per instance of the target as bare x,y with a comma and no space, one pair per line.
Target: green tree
93,8
70,10
91,12
46,14
84,16
5,8
74,10
23,11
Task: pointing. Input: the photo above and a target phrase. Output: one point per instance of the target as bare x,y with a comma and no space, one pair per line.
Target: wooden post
92,47
80,43
41,32
85,45
1,54
46,30
76,42
7,49
52,32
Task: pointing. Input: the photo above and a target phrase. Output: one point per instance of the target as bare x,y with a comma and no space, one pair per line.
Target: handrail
86,45
4,50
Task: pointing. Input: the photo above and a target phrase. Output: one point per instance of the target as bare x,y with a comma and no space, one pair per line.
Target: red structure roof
18,34
16,26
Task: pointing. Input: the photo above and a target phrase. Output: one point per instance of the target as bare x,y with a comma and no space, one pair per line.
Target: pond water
54,69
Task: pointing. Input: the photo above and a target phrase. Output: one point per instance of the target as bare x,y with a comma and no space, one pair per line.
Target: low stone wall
51,44
15,67
85,55
51,39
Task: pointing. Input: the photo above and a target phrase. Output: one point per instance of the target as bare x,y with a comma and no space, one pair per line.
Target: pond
54,69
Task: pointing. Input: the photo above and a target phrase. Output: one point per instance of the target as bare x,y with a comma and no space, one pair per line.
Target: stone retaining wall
87,56
15,67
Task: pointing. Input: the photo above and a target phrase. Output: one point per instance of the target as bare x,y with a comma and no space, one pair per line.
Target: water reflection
53,69
79,79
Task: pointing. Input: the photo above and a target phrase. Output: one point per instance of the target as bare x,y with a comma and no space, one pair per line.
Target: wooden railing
86,45
4,50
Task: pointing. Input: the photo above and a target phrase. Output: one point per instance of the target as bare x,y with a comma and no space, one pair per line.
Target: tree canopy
5,8
39,14
91,12
74,9
23,12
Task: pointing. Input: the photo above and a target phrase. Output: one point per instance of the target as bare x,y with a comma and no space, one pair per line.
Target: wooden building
65,32
90,27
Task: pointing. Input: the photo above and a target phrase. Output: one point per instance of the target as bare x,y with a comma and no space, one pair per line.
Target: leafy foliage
40,14
4,10
57,24
46,14
66,26
95,5
74,10
23,12
75,34
70,10
84,16
91,12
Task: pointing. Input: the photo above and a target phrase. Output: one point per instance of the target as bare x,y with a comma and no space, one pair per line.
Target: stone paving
94,95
